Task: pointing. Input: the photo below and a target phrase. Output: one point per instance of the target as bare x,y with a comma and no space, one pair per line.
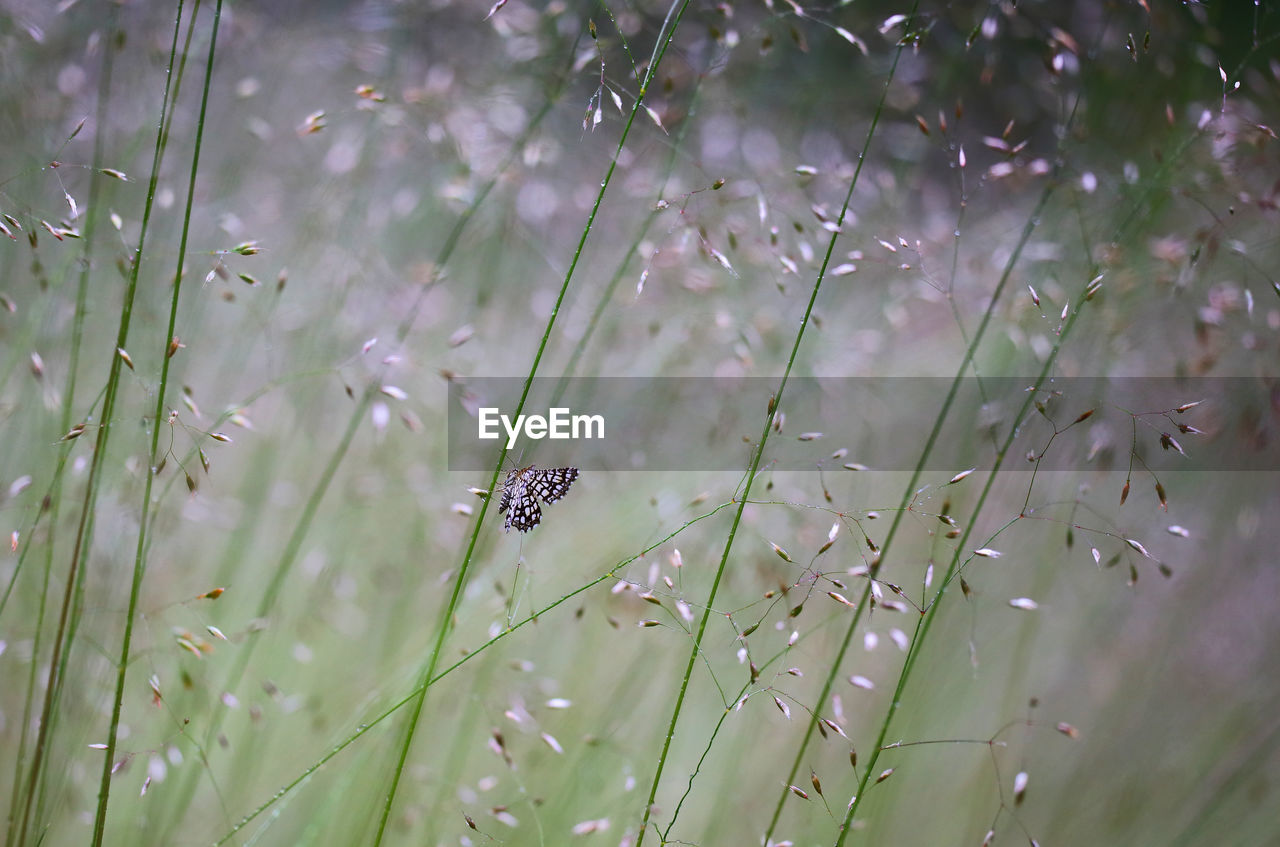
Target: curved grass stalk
53,681
926,621
140,555
593,323
711,739
775,403
16,795
580,348
917,472
672,22
953,570
54,498
87,529
611,286
417,692
166,118
301,530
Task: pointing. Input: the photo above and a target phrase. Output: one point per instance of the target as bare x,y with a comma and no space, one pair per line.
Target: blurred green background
407,185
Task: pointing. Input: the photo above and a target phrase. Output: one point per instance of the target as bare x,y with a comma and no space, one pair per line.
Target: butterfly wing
522,490
524,515
550,484
507,485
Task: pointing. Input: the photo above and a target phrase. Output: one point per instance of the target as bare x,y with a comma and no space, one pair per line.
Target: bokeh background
389,198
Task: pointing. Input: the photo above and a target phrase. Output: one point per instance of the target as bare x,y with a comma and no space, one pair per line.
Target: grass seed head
841,599
550,741
1019,787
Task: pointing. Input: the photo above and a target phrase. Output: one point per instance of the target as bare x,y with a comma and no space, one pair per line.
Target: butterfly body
525,487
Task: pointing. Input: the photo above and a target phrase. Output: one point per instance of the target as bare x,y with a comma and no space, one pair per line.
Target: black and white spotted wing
523,488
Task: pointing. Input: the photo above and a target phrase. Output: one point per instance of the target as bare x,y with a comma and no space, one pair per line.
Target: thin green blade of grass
774,405
580,348
910,489
413,695
306,519
173,87
56,665
670,25
923,626
966,362
166,358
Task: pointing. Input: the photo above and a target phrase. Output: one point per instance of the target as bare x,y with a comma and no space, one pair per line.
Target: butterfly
523,488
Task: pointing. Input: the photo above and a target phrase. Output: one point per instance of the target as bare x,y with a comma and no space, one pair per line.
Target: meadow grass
230,631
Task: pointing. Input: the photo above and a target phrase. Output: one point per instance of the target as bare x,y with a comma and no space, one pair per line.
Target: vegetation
255,255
